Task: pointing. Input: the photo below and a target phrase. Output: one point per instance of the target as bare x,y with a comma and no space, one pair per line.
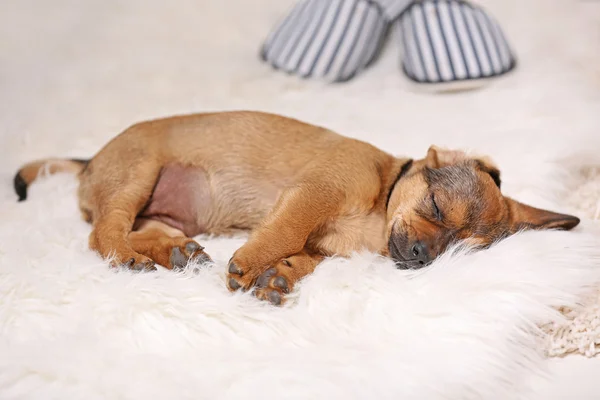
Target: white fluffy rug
73,74
580,333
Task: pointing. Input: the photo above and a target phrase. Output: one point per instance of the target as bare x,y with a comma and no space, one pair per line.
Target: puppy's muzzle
407,255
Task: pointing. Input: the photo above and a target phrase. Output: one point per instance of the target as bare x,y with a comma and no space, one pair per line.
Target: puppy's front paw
242,273
239,276
273,284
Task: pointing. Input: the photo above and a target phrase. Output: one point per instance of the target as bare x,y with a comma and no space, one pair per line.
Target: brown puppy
305,193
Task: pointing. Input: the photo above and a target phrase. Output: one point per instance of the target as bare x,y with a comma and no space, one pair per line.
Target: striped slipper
393,8
331,40
452,45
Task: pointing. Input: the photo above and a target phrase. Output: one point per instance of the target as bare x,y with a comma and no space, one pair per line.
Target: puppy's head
449,197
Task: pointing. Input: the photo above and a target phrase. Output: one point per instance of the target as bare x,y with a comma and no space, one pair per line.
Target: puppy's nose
419,251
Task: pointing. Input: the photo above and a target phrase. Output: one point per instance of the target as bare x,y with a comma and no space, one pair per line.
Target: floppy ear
486,165
523,216
439,158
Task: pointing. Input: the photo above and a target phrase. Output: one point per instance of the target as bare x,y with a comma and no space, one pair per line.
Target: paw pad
263,280
275,298
281,283
179,258
234,269
145,266
233,284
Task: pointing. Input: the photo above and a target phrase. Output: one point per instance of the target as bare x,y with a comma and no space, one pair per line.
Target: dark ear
486,166
523,216
438,157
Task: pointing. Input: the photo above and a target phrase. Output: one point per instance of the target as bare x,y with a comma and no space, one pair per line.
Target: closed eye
436,210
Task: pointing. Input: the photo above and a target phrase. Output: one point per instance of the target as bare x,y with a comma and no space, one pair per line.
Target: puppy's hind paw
181,255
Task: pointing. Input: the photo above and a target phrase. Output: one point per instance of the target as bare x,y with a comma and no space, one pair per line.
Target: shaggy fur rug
73,74
580,333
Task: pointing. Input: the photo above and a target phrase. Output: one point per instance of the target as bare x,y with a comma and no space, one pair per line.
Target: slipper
331,40
393,8
452,45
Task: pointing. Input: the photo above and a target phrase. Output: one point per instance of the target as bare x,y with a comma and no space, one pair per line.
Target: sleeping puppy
303,191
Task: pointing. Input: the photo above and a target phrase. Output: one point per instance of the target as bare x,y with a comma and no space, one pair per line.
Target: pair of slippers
446,43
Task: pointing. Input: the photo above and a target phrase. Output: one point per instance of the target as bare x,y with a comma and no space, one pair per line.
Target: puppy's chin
403,264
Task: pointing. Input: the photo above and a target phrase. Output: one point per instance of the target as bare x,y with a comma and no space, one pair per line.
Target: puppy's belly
179,194
195,202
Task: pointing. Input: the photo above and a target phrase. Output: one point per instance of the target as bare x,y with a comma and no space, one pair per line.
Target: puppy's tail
29,172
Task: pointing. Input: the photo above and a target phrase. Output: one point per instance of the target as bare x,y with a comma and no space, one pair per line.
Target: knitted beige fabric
580,333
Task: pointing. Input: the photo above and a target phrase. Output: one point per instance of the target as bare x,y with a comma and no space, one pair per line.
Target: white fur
76,73
357,328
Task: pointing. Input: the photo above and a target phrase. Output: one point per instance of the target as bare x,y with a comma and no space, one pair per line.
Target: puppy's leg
164,244
277,281
298,212
112,193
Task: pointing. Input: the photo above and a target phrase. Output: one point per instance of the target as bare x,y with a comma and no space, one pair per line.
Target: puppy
303,191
